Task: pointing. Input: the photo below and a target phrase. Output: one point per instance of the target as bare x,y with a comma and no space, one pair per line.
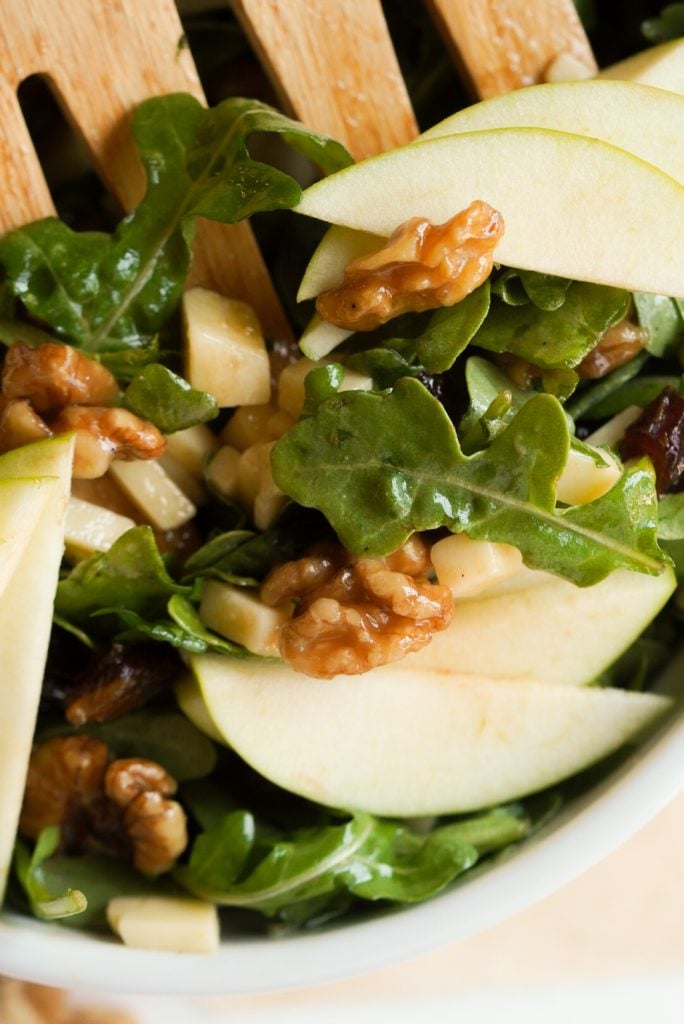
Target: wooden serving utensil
332,62
101,60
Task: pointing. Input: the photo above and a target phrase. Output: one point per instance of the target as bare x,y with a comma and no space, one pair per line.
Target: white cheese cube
152,490
176,924
251,424
192,447
613,430
90,528
583,480
239,615
225,352
223,472
189,484
472,567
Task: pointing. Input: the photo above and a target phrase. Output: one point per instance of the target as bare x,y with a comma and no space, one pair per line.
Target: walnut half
121,806
355,614
421,266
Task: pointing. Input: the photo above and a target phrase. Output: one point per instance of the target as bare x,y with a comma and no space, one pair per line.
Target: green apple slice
546,629
642,120
21,502
405,744
25,623
660,66
572,206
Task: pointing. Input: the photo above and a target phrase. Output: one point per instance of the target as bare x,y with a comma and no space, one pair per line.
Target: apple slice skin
661,67
403,744
25,624
640,119
572,206
548,630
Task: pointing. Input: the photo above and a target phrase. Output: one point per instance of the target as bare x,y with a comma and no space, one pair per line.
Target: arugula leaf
367,857
131,575
48,901
244,557
103,293
671,529
668,25
167,400
319,385
556,338
183,629
167,737
385,365
662,317
450,330
381,466
518,287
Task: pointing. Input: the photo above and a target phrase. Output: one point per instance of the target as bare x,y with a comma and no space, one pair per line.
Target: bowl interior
590,825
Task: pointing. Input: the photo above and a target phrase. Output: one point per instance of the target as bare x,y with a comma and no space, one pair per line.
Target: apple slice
25,623
572,206
21,502
644,121
546,629
408,744
660,66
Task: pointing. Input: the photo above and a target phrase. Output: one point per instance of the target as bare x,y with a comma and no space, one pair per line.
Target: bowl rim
584,832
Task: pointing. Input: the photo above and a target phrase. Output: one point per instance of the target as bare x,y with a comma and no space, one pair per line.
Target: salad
337,622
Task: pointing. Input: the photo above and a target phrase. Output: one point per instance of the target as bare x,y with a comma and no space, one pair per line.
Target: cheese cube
470,568
176,924
583,480
239,615
90,528
225,352
152,490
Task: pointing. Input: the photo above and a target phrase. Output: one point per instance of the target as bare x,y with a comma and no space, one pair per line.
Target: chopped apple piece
585,479
239,615
225,353
557,193
26,621
645,121
152,490
660,66
320,337
472,567
402,743
90,528
176,924
192,448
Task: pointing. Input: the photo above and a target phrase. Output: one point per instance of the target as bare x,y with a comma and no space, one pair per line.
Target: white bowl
585,831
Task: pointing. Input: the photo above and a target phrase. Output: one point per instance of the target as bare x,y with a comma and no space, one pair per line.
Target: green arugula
367,857
105,292
557,337
382,466
663,318
48,901
131,574
167,400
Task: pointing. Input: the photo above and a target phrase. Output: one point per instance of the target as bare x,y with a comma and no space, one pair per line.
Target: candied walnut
157,828
124,679
103,435
421,266
617,346
128,777
659,434
120,807
20,424
298,578
63,786
54,375
362,613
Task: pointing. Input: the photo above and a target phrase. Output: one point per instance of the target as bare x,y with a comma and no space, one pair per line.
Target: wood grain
101,60
502,45
333,66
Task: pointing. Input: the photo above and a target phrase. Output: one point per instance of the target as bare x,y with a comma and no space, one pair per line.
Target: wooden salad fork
332,62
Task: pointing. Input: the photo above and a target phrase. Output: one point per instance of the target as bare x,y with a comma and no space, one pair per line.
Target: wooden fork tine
333,66
102,60
501,45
